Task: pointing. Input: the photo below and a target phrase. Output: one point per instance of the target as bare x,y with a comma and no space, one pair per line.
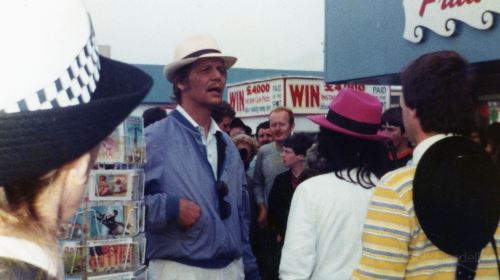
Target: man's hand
189,213
262,218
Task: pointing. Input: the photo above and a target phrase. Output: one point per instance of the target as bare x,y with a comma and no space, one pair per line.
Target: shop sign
305,96
441,16
302,95
256,98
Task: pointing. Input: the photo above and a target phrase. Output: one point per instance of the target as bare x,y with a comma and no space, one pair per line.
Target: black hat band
200,53
352,125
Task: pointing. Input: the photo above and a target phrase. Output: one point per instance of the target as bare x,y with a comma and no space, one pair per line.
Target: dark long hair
344,152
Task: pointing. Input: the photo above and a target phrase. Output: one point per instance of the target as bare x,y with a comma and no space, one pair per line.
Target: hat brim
323,122
170,69
456,193
33,143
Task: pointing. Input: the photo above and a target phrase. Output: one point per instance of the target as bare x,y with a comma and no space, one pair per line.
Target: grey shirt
267,166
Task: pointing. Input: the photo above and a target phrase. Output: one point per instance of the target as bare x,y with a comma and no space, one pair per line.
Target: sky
263,34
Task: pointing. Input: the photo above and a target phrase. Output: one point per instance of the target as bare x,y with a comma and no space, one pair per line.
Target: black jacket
280,199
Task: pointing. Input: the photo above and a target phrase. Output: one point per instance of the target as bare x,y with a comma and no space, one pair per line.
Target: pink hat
354,113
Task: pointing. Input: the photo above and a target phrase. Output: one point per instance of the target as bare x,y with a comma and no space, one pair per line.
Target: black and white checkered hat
60,98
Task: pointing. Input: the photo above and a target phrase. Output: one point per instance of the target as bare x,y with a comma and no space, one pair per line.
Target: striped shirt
396,247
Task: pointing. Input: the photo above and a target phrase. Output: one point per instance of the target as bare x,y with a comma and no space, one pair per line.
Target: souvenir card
112,148
138,183
111,185
114,255
75,227
113,221
73,260
141,216
134,139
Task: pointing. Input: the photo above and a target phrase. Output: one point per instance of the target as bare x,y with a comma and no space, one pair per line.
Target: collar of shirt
210,141
420,149
211,132
29,252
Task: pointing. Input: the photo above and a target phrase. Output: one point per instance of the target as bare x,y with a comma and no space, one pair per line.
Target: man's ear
301,157
404,134
413,113
181,85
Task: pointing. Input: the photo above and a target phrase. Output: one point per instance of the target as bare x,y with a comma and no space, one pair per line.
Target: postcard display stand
105,238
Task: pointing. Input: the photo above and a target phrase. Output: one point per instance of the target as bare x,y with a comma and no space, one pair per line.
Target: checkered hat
59,97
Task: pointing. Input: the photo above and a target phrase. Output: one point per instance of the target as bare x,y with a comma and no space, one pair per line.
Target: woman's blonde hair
243,138
19,212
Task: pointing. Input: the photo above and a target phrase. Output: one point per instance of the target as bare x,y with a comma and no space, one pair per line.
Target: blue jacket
176,167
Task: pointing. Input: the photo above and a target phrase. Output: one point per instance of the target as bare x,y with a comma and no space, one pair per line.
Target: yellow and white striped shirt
396,247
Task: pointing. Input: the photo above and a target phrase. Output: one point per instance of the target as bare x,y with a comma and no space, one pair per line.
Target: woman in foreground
59,100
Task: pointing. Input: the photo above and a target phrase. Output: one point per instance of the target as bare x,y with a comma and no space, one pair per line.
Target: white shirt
29,252
323,235
420,149
210,141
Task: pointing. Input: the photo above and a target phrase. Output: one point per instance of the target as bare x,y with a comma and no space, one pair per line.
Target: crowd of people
400,194
336,205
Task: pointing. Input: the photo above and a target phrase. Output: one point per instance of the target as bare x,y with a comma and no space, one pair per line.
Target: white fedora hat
192,49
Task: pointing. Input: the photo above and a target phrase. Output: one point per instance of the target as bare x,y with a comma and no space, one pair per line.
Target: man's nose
218,74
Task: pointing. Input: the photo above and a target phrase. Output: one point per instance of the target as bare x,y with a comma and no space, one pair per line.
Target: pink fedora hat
354,113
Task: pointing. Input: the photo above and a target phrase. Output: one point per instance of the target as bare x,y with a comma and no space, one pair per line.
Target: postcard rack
105,238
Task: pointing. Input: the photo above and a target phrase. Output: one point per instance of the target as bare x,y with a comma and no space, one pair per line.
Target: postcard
111,255
73,260
112,148
138,183
111,185
113,221
134,139
75,227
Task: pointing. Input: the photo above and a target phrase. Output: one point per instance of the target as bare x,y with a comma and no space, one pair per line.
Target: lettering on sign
440,16
260,88
237,100
304,94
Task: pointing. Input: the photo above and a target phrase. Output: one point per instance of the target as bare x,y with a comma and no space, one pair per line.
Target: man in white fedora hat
197,206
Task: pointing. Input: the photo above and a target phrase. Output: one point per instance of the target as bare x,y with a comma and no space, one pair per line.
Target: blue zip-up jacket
177,167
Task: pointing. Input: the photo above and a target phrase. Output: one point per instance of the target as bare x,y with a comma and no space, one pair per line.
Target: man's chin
279,138
215,102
